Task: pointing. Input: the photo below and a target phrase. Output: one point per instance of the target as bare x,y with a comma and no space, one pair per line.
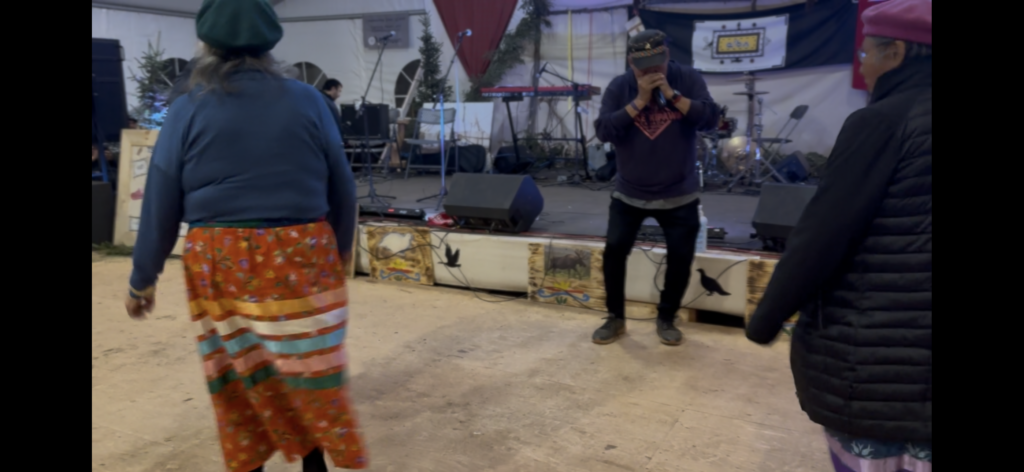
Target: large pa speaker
779,209
352,126
102,213
108,93
505,203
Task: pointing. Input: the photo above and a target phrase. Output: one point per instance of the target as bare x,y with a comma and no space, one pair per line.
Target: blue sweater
270,149
656,152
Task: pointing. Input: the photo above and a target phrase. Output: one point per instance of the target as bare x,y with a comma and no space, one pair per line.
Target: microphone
468,32
387,36
542,69
660,97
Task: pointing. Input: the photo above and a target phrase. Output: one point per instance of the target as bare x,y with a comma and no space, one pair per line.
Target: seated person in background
97,170
133,123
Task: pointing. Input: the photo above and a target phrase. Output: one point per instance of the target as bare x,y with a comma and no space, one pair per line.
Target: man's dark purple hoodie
656,151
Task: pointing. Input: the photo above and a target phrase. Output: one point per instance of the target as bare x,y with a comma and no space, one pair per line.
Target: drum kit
725,159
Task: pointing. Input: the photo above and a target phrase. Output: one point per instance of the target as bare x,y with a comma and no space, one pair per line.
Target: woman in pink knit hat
858,265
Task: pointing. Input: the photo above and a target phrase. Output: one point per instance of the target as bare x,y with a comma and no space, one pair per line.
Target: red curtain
487,18
858,81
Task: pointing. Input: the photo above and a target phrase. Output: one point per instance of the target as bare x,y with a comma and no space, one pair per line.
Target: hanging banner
744,46
858,80
813,35
487,21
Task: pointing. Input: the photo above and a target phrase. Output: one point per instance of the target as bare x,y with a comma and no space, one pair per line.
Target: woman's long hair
214,67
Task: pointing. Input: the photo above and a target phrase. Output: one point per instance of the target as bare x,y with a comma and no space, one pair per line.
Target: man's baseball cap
648,49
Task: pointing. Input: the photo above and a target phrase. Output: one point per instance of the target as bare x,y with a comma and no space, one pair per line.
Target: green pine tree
152,85
430,60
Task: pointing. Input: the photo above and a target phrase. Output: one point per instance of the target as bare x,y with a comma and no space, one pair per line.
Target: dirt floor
443,381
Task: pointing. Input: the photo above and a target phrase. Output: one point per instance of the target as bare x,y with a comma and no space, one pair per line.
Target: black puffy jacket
858,266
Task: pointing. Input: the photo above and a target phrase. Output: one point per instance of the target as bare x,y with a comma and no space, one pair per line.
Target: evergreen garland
512,48
430,60
151,86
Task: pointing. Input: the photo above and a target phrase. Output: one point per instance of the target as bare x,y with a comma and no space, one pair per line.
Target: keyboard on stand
515,94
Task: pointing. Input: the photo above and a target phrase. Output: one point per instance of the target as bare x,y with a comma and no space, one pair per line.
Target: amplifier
352,125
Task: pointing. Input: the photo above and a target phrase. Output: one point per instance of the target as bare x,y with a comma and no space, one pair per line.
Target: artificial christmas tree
430,60
152,84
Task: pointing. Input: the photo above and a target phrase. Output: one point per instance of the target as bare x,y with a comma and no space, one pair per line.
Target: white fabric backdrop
599,41
177,37
320,8
558,5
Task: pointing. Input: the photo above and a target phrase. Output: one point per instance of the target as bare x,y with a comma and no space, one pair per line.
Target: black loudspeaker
779,210
505,161
102,213
108,93
794,168
434,158
352,123
505,203
472,158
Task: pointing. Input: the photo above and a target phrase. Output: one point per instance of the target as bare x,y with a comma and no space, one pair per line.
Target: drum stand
708,168
753,168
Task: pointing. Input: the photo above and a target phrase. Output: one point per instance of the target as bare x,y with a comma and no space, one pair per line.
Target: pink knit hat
906,20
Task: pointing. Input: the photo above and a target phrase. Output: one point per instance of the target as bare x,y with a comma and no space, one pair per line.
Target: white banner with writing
740,45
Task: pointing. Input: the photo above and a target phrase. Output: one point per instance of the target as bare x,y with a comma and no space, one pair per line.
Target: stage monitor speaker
102,213
505,203
779,209
794,168
377,116
108,92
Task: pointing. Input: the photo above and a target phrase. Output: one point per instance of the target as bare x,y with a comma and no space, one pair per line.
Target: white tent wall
336,47
333,44
827,91
598,53
135,30
325,9
599,43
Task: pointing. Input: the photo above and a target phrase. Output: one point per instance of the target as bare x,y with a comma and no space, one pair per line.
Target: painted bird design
711,285
451,258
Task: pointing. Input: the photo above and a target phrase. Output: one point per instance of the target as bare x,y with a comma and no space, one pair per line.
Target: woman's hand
139,307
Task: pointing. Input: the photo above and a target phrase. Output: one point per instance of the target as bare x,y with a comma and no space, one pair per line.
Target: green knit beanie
249,26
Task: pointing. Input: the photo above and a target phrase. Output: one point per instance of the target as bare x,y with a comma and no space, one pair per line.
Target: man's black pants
680,226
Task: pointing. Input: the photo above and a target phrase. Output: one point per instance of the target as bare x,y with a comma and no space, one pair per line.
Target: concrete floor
580,211
443,381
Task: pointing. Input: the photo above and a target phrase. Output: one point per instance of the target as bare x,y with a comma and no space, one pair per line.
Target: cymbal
759,92
774,140
746,79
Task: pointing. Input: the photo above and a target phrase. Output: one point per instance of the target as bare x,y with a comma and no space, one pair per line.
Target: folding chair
428,116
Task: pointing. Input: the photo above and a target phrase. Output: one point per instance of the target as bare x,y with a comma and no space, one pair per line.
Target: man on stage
652,114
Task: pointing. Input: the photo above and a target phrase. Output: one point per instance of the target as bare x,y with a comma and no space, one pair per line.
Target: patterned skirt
866,455
270,307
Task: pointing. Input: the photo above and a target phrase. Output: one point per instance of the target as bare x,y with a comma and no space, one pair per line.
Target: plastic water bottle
702,236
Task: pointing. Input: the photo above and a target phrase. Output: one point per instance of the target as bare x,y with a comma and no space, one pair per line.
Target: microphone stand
440,101
372,192
578,129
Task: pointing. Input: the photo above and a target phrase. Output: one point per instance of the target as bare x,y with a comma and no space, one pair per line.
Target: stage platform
577,210
560,260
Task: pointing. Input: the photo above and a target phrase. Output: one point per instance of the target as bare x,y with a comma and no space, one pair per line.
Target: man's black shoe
668,333
612,329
